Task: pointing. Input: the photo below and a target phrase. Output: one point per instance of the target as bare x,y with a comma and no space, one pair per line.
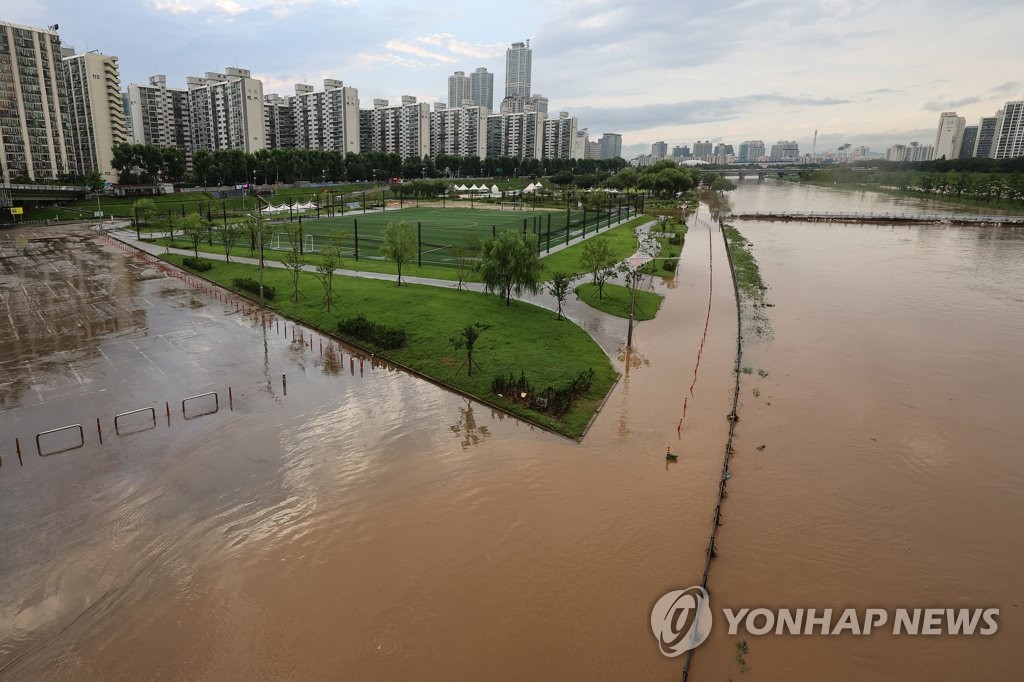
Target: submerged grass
520,338
748,279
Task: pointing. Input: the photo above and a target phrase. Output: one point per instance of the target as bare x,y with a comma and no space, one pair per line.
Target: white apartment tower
226,111
1008,141
160,116
610,146
459,132
518,70
949,135
402,130
96,108
278,122
481,88
35,126
986,133
459,90
559,136
518,136
328,120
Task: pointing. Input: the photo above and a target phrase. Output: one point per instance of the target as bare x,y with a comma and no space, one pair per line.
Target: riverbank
552,354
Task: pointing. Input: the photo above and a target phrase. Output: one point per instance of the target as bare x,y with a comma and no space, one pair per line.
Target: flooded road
367,525
891,473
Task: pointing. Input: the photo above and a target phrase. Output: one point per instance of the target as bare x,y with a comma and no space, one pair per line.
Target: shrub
198,265
379,335
670,264
253,287
552,400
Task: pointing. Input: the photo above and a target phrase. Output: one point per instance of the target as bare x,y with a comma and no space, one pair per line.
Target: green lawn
616,301
623,242
521,338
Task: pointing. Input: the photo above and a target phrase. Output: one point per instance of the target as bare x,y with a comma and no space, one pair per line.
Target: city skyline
878,76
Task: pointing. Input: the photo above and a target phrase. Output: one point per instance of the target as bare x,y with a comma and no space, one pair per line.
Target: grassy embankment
616,301
623,245
518,339
748,279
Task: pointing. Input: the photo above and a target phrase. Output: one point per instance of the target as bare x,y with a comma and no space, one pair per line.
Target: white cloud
411,48
278,8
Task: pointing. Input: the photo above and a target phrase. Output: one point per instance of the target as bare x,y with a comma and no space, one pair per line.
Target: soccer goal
512,206
309,244
279,239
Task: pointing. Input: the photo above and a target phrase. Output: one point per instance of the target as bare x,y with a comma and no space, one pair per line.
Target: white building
481,88
459,90
896,153
559,137
402,130
949,135
785,150
919,152
516,135
226,111
1008,141
518,70
278,122
986,133
610,146
96,109
35,125
459,132
160,116
328,120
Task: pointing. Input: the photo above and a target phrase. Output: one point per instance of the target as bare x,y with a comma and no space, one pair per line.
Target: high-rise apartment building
459,132
986,133
659,150
402,130
559,136
1008,141
785,150
226,111
702,149
96,109
35,125
459,90
518,70
278,122
750,151
328,120
481,88
896,153
580,144
919,152
160,116
949,135
610,146
518,136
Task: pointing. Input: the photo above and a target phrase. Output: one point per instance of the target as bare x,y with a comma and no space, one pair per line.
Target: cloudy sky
864,72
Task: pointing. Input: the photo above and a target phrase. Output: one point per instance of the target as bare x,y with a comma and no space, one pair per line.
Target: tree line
984,187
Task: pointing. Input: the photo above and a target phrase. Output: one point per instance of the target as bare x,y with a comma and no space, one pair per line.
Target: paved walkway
609,331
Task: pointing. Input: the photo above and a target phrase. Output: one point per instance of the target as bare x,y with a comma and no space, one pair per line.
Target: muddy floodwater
889,414
365,525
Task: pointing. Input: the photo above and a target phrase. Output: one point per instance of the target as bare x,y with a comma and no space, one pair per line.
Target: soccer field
442,230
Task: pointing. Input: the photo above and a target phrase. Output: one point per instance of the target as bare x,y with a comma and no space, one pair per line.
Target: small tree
293,260
466,258
194,227
509,262
467,338
399,245
559,287
599,261
145,210
330,260
229,236
260,232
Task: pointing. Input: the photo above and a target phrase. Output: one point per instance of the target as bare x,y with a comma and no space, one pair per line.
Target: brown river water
371,526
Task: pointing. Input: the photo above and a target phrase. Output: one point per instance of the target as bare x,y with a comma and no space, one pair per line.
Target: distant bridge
760,173
887,218
12,192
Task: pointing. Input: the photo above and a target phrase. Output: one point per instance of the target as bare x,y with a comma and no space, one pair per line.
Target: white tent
460,188
473,187
530,188
494,189
538,185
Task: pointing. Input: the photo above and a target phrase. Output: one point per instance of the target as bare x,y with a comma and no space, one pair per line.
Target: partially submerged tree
509,263
559,287
330,260
599,261
399,245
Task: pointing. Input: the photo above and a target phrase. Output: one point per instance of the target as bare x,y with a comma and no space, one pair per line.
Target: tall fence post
355,230
419,243
549,233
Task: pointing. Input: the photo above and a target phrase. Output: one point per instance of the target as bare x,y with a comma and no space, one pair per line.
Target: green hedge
197,264
253,287
379,335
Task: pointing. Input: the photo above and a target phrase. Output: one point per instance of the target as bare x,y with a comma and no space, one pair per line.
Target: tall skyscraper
481,88
559,136
968,142
785,150
949,135
459,132
402,130
659,150
278,122
458,89
1008,142
96,108
986,133
702,149
518,70
750,151
518,136
610,145
35,125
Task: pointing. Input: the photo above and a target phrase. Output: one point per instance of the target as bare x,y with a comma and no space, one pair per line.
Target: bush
554,401
198,265
253,287
677,239
379,335
670,264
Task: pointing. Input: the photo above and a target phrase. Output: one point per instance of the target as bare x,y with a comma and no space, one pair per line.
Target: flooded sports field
367,525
